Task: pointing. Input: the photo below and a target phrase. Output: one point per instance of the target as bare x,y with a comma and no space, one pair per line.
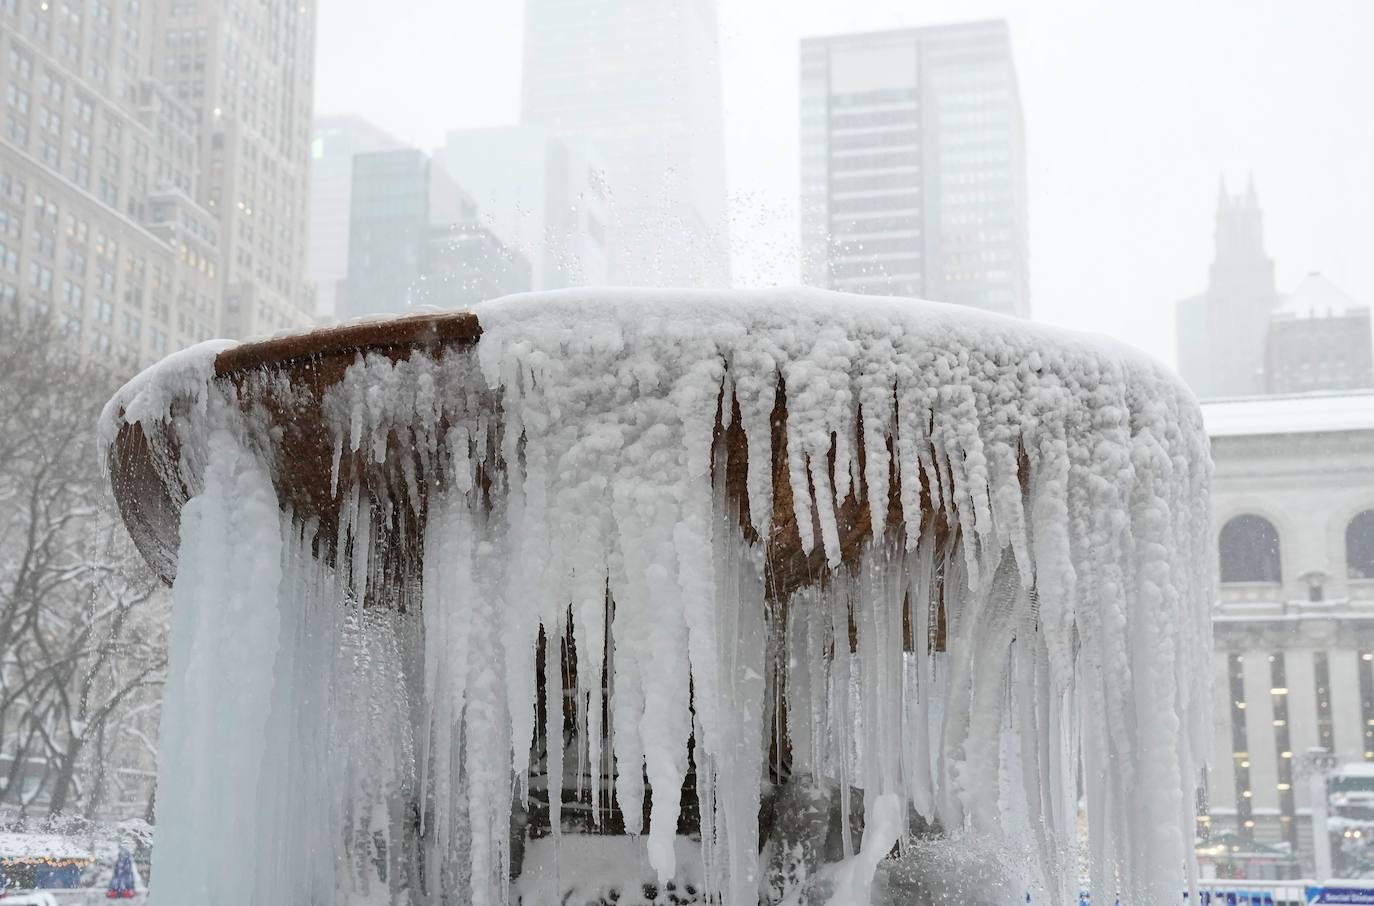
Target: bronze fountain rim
398,335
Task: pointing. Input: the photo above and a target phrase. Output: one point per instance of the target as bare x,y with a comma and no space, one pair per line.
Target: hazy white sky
1133,110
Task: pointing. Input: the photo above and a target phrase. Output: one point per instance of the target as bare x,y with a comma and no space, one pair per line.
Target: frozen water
566,481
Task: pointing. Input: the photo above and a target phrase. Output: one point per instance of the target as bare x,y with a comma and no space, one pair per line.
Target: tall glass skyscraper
913,166
637,84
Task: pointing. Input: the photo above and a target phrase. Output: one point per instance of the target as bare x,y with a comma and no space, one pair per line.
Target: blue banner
1348,895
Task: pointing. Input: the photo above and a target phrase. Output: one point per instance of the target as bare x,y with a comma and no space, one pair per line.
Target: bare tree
82,620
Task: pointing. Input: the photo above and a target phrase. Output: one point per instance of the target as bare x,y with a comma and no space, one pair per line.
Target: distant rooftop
1298,413
972,26
1316,296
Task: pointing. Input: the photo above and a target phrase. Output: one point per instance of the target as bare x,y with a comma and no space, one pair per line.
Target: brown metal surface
312,362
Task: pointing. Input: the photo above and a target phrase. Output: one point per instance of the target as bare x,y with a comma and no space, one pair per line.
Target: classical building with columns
1293,509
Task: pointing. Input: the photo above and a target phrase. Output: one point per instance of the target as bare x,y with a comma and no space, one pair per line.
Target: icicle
224,639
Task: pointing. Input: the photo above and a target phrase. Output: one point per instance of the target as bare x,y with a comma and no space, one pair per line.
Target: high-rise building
336,140
639,82
101,223
465,263
153,164
414,238
540,196
1221,332
913,171
1319,340
386,227
246,70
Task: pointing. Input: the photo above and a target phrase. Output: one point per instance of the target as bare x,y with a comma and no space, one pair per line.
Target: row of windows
1248,549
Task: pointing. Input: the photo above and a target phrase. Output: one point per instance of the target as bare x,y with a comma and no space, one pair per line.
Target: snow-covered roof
1357,769
1299,413
1315,296
43,846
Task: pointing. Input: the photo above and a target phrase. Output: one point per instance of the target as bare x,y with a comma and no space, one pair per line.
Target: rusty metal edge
414,332
147,506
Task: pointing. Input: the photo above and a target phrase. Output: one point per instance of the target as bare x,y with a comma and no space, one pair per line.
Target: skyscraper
246,72
639,82
913,172
389,214
414,239
336,140
541,197
1221,332
101,225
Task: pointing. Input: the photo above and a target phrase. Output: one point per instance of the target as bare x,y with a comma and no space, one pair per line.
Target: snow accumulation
18,846
148,397
565,477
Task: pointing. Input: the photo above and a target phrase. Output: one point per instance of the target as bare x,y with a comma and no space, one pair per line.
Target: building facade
336,140
414,238
636,84
539,196
1221,333
246,71
101,227
1318,340
152,169
462,264
1293,507
913,170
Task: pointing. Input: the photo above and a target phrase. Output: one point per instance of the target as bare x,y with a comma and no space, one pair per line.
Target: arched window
1249,550
1359,546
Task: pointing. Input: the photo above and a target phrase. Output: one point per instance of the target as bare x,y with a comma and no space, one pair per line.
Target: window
1249,550
40,278
1359,546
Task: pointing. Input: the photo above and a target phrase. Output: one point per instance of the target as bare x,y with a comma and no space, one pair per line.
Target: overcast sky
1133,111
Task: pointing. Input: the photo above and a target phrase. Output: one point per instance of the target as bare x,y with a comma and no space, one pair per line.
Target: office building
913,171
102,226
465,263
638,83
153,169
246,71
1319,339
540,196
336,140
414,238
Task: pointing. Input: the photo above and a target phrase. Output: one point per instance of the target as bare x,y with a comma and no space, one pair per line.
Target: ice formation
1022,622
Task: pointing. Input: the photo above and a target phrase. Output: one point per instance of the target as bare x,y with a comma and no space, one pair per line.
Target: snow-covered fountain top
768,523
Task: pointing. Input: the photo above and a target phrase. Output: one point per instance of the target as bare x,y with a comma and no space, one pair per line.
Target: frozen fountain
684,595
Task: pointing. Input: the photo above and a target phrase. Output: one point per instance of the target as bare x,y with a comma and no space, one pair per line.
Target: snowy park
686,453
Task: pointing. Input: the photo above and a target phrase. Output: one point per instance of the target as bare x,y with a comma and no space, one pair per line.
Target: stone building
1319,339
1293,507
153,169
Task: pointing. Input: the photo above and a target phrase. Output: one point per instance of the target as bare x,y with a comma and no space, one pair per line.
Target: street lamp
1317,764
